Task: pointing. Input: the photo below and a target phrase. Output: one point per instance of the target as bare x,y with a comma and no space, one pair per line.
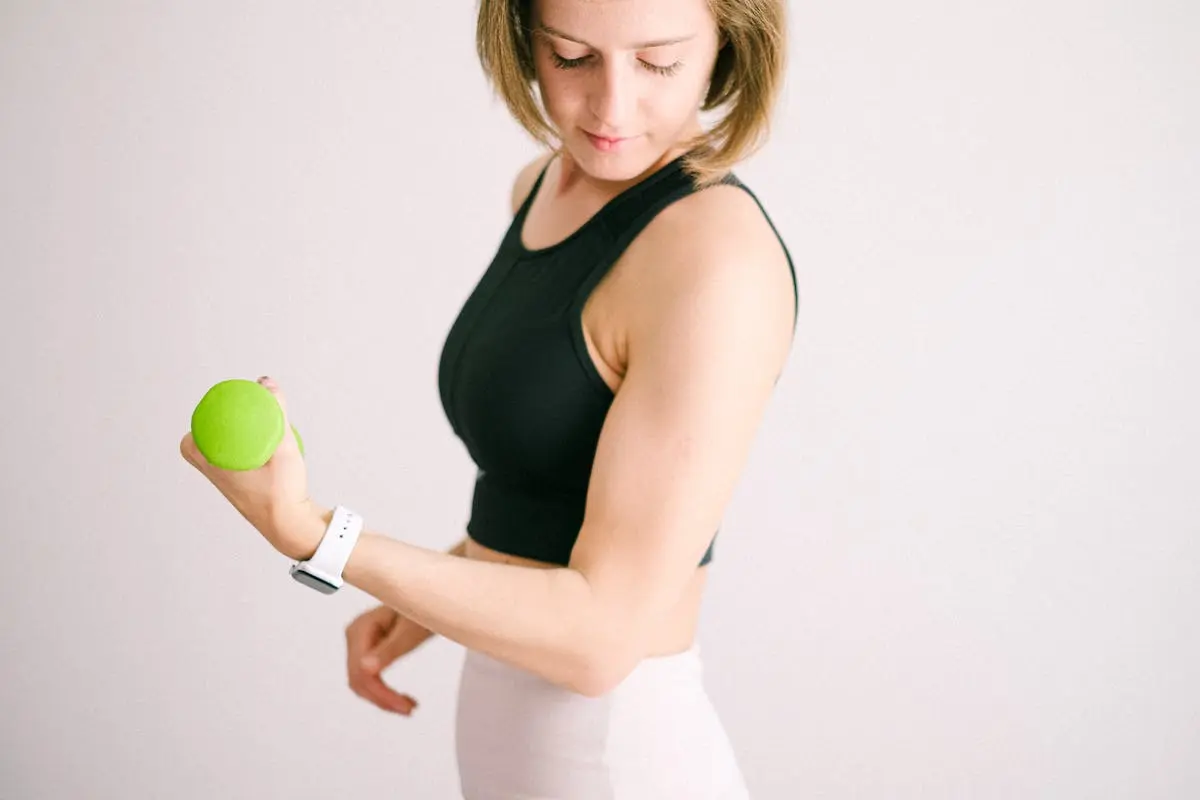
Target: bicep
700,373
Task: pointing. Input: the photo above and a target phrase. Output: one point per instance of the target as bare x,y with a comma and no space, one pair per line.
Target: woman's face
623,80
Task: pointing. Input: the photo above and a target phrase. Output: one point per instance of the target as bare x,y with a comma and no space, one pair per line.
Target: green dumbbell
238,424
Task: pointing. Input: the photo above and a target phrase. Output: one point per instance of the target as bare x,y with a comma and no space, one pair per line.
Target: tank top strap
732,180
510,243
630,212
523,209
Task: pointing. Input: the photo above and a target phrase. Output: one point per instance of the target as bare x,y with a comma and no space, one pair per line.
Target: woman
607,376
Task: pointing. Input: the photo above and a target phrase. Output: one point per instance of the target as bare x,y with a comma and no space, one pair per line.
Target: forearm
421,634
540,620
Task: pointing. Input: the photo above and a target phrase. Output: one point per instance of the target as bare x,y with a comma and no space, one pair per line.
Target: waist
656,734
656,671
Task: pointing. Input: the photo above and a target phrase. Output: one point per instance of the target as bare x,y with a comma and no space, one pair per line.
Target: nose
612,99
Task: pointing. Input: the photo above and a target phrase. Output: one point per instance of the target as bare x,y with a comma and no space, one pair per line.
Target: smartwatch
323,571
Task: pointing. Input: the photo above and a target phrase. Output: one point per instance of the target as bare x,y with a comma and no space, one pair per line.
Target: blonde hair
746,77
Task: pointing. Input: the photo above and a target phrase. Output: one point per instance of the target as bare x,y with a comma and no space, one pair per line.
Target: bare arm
530,617
704,349
422,634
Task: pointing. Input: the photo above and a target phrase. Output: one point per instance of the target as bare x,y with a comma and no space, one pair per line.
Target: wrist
301,532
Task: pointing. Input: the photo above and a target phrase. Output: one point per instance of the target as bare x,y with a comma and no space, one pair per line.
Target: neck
571,176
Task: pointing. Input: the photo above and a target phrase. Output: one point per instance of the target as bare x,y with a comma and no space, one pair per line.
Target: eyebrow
549,31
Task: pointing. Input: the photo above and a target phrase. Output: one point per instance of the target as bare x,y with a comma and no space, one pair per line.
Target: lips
607,144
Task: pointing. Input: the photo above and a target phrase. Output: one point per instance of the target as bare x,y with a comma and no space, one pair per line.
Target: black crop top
518,385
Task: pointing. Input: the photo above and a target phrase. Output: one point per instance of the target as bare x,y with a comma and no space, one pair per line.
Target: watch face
313,581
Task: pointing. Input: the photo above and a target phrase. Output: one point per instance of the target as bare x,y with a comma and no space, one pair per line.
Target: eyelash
572,63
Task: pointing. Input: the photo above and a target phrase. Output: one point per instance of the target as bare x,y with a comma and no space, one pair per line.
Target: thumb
387,650
271,386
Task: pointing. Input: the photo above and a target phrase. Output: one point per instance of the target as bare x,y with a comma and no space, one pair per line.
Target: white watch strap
333,552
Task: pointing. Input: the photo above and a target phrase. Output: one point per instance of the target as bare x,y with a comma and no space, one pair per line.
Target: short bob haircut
745,79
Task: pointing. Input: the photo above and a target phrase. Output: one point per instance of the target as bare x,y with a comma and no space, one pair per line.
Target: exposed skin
690,329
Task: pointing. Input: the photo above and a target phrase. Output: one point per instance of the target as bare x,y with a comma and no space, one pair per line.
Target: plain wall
963,561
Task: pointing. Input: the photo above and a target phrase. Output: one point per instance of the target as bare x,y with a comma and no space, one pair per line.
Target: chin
618,167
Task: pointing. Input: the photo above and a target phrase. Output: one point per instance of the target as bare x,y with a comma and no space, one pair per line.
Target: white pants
656,736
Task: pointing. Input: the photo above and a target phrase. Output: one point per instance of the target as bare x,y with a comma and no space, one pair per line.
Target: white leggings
656,736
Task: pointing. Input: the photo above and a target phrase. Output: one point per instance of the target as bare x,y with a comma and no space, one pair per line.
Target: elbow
607,643
599,674
587,686
603,663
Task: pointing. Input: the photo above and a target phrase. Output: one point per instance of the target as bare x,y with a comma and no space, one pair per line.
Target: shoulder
722,216
714,254
525,179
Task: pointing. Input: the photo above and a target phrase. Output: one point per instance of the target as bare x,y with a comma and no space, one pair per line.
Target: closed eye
669,69
572,63
567,63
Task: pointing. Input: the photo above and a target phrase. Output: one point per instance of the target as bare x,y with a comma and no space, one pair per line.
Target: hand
375,639
273,498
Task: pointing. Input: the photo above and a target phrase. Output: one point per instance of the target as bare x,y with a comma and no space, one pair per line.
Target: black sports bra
517,382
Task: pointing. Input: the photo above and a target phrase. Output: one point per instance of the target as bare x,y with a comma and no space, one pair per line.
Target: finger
367,630
401,639
370,686
363,665
186,445
273,387
389,699
373,664
191,453
359,639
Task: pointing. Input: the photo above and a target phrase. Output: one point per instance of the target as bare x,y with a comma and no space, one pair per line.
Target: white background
963,560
